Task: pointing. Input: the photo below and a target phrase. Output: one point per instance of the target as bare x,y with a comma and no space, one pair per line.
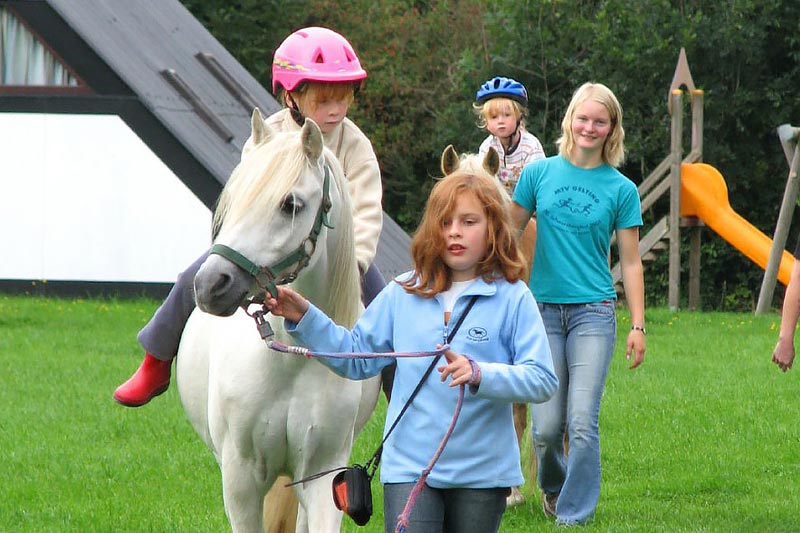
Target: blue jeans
582,338
445,510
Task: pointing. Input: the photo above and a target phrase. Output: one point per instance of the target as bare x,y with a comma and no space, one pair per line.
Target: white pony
283,216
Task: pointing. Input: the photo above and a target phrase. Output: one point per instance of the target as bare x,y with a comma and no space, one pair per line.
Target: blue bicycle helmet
500,87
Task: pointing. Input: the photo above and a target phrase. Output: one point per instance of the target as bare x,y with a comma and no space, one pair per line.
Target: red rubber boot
150,380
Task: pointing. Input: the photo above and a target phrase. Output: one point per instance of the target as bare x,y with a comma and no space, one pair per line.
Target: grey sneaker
549,504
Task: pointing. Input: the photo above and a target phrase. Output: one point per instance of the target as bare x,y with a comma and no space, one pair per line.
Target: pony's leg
280,508
520,423
527,246
527,243
242,492
316,496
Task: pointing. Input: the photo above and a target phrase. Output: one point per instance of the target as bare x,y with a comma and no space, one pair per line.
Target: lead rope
403,519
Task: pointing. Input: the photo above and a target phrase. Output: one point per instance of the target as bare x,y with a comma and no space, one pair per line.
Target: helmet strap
294,110
513,145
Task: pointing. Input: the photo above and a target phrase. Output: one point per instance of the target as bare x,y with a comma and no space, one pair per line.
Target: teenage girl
581,199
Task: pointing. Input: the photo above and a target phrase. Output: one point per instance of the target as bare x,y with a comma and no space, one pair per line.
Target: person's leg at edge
589,348
160,338
548,420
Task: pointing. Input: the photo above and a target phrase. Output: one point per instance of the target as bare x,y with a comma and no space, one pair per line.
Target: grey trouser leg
160,337
372,282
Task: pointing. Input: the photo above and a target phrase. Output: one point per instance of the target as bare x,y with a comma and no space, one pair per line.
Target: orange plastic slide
704,194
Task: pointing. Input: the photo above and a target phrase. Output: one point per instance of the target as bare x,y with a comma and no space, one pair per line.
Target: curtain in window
26,61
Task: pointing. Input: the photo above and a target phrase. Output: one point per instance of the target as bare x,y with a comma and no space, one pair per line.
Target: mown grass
703,437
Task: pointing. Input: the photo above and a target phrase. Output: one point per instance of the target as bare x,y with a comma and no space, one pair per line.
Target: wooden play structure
698,197
788,136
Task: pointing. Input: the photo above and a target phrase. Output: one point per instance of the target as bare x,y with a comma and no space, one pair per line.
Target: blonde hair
503,258
614,147
499,105
309,94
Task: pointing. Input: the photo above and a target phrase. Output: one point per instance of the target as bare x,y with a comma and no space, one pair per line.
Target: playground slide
704,194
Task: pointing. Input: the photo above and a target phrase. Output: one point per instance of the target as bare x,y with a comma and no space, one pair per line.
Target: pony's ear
491,162
261,132
312,140
449,160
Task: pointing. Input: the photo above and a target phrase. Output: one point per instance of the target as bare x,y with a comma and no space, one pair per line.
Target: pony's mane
344,295
473,164
264,177
476,164
252,183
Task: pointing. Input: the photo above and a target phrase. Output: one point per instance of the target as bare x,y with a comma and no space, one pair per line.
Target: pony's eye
291,205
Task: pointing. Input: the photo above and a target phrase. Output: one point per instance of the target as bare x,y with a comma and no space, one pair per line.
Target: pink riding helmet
314,54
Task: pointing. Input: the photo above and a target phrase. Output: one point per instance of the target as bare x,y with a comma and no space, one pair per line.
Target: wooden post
694,267
695,231
788,138
697,122
681,77
676,153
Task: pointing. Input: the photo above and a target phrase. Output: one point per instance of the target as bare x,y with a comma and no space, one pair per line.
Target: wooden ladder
650,246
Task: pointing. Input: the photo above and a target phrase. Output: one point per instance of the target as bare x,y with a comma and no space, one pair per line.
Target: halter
267,276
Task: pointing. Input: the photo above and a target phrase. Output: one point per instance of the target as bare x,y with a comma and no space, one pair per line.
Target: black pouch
352,493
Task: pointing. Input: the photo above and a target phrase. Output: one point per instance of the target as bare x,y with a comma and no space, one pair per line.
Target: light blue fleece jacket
503,333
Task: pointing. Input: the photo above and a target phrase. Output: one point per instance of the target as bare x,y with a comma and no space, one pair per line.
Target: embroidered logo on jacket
477,334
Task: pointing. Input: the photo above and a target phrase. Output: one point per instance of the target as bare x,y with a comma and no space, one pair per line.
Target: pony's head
273,224
472,163
489,164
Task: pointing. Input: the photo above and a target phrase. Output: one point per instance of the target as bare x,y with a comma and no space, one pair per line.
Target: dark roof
393,249
153,64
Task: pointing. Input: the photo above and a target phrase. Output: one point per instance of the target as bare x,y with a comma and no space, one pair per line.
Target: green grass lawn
703,437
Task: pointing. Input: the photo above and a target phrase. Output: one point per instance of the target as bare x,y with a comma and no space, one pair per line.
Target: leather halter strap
267,276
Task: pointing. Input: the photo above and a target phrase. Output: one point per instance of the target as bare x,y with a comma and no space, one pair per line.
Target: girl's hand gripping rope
462,369
288,304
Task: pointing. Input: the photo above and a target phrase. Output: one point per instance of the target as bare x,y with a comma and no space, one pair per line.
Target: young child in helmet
315,73
501,104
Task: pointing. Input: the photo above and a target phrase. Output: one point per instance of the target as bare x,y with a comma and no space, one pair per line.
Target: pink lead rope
280,347
402,520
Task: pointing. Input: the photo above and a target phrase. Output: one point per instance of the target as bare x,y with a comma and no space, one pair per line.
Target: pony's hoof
515,498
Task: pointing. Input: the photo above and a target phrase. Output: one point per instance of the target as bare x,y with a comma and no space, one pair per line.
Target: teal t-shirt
577,211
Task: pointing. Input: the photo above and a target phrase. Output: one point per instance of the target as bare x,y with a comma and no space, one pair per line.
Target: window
24,60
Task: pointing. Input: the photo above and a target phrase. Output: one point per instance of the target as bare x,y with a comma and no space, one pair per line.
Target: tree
426,59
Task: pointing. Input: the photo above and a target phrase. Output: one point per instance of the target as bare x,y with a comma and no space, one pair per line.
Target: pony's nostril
221,285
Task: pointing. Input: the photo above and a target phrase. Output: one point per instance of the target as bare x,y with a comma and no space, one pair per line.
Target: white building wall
82,198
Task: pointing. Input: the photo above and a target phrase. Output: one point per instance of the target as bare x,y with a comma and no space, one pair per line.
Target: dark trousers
445,510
